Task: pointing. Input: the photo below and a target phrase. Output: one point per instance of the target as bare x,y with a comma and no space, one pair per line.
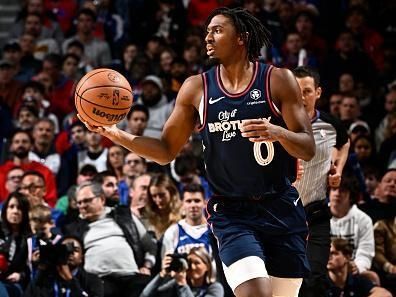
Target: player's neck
236,76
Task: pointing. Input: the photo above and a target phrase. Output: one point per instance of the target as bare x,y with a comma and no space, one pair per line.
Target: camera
179,262
54,254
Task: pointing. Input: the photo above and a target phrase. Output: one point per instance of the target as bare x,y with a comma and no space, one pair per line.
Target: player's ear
243,37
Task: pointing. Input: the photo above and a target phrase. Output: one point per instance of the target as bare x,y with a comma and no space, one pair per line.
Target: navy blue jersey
236,166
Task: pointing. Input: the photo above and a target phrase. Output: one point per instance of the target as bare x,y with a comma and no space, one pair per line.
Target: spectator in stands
115,160
139,196
45,44
118,248
294,54
70,64
369,40
383,205
348,58
96,50
163,206
28,43
186,167
61,93
346,84
344,283
159,108
77,48
94,153
13,181
311,41
385,252
166,58
390,108
12,52
26,117
334,104
137,119
192,231
109,183
21,144
350,223
195,278
349,110
50,28
10,88
14,231
364,149
43,150
357,129
387,151
34,95
43,232
68,276
34,188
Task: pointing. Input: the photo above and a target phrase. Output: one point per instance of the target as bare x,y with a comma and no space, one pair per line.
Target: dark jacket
83,284
123,217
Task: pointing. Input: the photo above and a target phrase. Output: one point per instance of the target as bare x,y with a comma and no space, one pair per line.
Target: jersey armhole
275,110
203,103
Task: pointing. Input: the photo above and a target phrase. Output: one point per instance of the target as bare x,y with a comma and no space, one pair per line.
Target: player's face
309,93
221,39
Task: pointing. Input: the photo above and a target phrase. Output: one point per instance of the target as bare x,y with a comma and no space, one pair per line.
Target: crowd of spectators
81,216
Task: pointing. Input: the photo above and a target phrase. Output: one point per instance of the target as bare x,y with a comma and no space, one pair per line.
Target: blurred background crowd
132,227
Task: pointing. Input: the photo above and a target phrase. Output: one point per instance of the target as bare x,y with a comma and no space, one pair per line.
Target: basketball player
253,126
325,168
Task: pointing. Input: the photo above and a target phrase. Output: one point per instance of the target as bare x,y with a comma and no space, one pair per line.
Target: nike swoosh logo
213,101
295,202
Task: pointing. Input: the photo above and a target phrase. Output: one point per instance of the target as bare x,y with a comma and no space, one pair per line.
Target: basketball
103,97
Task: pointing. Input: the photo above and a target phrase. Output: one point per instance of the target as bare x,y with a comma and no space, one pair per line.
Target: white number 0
259,157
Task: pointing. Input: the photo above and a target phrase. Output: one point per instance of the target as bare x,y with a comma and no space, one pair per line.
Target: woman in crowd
13,251
193,277
163,207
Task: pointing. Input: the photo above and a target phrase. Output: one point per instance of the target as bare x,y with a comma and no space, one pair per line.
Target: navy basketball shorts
273,229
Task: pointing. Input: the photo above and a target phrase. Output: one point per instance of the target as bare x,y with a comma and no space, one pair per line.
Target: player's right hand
103,130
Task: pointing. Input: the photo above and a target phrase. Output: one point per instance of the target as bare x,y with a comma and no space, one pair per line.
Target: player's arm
176,131
297,139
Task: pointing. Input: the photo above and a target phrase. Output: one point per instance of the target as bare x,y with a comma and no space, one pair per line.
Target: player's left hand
259,130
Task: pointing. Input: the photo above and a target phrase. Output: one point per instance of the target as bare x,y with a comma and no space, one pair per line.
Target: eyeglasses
86,200
31,188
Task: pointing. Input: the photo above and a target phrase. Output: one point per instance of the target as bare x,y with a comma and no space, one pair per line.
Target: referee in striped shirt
325,169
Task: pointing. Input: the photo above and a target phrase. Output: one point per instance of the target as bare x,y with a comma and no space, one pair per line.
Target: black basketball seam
85,113
81,98
90,77
107,86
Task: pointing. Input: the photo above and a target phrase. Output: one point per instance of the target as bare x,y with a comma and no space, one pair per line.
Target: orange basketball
103,97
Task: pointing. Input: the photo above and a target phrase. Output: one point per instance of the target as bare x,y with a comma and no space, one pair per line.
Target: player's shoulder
191,91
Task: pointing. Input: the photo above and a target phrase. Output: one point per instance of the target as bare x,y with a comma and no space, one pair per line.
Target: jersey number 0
259,157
